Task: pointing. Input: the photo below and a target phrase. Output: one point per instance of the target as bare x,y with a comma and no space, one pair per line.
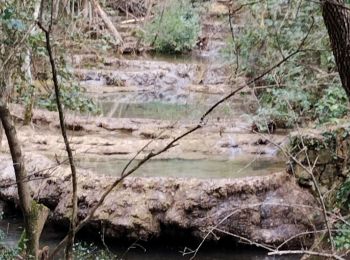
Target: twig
47,32
28,178
173,143
306,252
239,209
244,239
310,172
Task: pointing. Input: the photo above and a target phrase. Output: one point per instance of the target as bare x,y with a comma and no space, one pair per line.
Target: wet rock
328,148
90,135
266,209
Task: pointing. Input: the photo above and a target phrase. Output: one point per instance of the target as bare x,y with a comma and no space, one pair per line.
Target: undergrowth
175,27
304,88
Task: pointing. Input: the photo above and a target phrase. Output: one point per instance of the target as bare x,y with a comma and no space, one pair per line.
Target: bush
72,98
175,27
342,238
6,253
333,104
299,89
85,251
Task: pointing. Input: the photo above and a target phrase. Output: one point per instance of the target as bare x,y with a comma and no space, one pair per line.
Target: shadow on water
187,58
156,249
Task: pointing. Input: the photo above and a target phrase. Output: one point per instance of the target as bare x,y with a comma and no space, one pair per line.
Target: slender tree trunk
34,214
56,8
26,67
114,32
85,6
73,222
28,112
337,20
149,9
1,134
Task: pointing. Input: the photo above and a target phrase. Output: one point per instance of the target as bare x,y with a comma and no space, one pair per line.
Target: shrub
85,251
5,252
175,27
342,238
72,98
333,104
299,89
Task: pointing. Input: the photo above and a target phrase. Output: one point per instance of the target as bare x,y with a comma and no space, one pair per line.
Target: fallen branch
114,32
306,252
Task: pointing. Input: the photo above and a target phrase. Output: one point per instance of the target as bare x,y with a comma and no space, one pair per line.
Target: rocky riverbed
267,210
146,101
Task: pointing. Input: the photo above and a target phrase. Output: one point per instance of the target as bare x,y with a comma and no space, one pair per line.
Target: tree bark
1,134
72,228
85,11
114,32
34,214
337,20
26,68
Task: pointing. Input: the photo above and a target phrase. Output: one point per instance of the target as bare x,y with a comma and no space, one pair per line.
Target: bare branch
306,252
173,142
71,233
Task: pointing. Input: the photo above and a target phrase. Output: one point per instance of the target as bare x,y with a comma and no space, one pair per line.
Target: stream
190,168
12,226
173,89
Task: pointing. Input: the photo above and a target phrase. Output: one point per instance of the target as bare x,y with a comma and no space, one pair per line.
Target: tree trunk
115,34
337,20
26,68
85,11
1,135
71,233
56,9
34,214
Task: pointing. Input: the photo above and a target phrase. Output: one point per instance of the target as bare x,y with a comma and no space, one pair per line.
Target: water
141,250
186,58
12,226
163,111
189,168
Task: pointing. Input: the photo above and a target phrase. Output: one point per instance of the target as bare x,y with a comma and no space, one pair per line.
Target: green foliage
333,104
343,195
83,251
298,89
15,22
6,253
175,27
72,95
277,104
72,98
342,238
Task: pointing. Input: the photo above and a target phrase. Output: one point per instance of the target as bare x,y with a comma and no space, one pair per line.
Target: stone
266,209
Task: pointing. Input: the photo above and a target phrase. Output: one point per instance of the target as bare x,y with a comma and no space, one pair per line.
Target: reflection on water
206,253
189,168
165,111
13,227
173,58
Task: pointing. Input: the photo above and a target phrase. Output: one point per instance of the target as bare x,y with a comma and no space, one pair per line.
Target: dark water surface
13,227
